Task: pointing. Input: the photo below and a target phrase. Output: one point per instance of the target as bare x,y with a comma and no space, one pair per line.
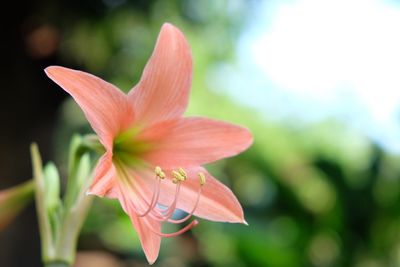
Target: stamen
181,231
162,215
159,172
190,214
157,213
156,192
154,200
167,213
202,178
182,172
178,176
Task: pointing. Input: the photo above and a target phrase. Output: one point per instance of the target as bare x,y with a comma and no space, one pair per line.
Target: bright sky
314,59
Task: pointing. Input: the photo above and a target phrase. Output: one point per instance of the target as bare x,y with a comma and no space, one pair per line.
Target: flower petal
150,241
191,142
163,90
104,105
104,178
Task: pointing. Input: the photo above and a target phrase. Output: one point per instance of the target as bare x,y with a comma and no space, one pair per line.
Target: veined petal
163,90
194,141
104,105
150,241
104,178
217,202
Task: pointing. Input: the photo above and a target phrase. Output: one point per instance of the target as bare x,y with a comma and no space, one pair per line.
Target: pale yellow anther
178,176
202,178
175,180
160,174
182,172
157,170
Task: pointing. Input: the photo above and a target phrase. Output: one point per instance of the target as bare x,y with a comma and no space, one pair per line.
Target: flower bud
52,187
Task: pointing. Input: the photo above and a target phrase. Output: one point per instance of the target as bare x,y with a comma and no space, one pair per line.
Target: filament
190,214
179,232
154,199
149,208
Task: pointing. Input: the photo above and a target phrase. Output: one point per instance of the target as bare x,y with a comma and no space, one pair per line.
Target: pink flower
153,157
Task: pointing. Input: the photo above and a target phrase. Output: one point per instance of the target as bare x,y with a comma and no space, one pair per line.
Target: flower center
128,149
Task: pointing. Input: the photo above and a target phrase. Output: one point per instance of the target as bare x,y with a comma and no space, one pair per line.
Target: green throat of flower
128,149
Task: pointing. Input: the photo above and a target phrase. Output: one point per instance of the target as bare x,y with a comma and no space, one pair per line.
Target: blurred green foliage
319,195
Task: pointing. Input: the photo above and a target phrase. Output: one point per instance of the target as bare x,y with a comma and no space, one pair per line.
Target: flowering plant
151,156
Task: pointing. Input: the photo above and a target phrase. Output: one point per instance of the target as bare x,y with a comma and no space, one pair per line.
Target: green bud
52,187
83,172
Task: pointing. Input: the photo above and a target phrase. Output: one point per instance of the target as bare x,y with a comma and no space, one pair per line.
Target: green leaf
13,200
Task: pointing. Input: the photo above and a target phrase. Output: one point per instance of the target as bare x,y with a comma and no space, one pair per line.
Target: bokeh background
317,82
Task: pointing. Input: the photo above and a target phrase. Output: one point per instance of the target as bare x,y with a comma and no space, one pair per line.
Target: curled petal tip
245,222
49,69
167,25
248,136
171,30
46,70
151,259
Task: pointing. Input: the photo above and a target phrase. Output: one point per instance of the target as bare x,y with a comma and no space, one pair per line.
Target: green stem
59,237
46,234
57,264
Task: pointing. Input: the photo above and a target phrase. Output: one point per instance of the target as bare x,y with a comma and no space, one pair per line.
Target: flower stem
46,234
60,226
57,264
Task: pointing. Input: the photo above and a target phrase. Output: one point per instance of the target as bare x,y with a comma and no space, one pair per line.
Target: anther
160,174
183,173
202,178
176,175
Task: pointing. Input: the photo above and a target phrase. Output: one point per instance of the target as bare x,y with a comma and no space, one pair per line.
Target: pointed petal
104,105
149,240
163,90
191,142
217,202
